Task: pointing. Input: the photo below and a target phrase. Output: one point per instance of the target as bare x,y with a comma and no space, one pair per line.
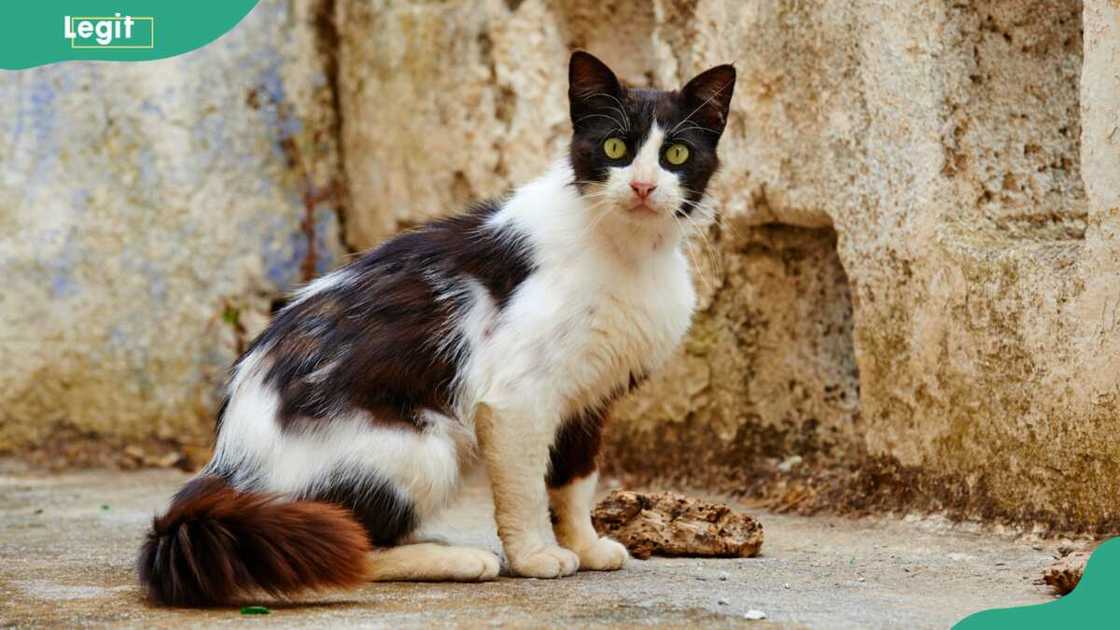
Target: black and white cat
501,335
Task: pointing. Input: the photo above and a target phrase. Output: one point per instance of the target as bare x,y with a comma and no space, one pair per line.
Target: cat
499,336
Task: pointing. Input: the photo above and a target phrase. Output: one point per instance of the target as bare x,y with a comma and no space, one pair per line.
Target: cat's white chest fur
600,309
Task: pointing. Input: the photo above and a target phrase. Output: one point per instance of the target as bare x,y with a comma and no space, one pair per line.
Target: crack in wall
327,46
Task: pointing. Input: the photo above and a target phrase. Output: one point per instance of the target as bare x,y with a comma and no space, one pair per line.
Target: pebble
789,463
723,577
754,615
722,602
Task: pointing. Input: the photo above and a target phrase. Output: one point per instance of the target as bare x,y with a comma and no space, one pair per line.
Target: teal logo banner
47,31
1093,604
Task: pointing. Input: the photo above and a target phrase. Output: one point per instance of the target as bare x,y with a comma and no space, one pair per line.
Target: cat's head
647,154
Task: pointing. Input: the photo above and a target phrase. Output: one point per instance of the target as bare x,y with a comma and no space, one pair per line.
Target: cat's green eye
615,148
676,154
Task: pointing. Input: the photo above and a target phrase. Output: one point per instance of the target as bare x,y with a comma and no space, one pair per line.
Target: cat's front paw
544,562
603,555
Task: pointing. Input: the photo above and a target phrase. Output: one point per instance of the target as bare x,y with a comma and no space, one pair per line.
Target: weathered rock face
148,211
973,328
915,280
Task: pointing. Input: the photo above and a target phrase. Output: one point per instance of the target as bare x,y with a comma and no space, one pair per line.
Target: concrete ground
67,544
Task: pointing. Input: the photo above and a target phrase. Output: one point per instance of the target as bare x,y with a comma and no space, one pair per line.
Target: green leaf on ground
231,315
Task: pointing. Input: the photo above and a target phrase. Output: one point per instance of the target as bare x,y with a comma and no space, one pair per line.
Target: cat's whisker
621,108
702,226
599,219
714,267
730,228
594,193
589,183
714,254
588,116
699,205
700,107
697,127
692,257
590,229
703,208
723,225
599,199
701,229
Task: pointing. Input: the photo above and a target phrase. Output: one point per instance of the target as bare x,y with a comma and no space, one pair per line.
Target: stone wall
148,214
911,300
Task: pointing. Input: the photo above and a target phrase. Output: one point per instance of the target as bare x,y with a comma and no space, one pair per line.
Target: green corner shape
1095,603
40,32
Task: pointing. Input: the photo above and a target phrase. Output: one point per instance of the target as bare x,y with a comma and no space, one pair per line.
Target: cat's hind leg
571,508
572,479
433,562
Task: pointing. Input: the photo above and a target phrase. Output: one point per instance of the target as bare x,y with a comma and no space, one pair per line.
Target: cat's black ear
591,87
707,97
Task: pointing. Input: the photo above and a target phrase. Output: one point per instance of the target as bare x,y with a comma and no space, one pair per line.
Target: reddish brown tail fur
216,544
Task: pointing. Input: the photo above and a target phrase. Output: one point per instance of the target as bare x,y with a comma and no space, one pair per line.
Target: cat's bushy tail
216,544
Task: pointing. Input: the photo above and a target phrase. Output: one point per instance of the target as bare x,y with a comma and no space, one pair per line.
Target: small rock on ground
671,524
1066,572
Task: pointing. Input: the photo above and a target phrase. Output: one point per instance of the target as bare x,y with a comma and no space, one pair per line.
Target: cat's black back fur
390,300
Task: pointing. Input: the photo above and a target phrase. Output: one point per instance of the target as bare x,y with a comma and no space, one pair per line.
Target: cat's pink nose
642,189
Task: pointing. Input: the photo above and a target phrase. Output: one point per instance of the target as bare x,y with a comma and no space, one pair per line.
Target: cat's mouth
642,208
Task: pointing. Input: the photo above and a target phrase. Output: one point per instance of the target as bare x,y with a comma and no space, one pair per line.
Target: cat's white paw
545,562
603,555
474,565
